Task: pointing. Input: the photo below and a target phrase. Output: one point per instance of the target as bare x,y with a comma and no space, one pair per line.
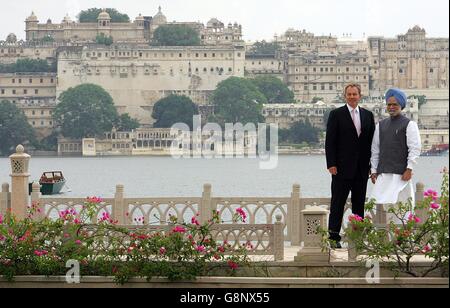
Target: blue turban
399,95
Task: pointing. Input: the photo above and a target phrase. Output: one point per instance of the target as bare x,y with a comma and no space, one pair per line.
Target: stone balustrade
278,219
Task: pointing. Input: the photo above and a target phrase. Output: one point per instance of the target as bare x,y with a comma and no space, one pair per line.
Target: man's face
352,96
393,107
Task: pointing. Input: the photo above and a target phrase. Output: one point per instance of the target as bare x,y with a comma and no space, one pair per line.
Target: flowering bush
177,251
424,230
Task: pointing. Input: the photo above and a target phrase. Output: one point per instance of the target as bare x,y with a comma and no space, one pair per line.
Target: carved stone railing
256,239
159,210
145,211
51,208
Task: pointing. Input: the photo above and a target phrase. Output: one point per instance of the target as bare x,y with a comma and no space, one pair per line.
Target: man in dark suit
348,142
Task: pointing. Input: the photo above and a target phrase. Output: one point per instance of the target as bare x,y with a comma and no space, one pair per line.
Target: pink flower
200,248
1,219
431,194
178,229
221,249
354,218
95,200
232,265
241,213
434,206
426,249
414,218
195,221
66,235
162,250
78,242
40,253
76,221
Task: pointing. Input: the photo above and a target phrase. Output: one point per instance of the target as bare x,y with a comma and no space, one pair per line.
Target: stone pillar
380,218
279,239
205,209
312,251
294,229
19,182
119,211
421,213
35,200
5,199
352,253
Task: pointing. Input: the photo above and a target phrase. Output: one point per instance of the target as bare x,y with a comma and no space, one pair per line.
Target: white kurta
390,188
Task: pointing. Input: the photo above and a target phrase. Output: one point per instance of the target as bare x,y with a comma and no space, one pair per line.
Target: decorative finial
20,149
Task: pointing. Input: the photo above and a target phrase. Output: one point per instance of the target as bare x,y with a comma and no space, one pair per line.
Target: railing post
293,221
313,218
19,182
119,211
36,201
352,253
279,239
205,209
380,218
421,213
5,199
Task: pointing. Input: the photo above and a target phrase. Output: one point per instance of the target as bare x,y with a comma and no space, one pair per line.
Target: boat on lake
51,182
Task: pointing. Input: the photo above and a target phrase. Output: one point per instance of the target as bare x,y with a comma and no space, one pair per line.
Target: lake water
168,177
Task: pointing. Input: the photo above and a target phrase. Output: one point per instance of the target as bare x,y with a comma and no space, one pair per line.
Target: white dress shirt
357,121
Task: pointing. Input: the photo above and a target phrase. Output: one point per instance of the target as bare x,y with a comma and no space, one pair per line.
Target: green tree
303,131
47,39
91,15
14,128
49,143
85,111
174,109
273,89
103,39
176,35
28,66
126,123
237,100
264,48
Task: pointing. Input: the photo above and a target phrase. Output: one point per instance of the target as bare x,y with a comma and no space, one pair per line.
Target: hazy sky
260,19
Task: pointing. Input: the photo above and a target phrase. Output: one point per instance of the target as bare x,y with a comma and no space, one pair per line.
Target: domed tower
31,27
139,21
11,39
215,24
66,19
159,18
104,23
104,20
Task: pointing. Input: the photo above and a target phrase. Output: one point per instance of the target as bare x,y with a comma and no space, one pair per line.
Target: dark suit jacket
343,148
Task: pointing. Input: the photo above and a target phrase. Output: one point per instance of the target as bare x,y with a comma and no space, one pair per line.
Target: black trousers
340,189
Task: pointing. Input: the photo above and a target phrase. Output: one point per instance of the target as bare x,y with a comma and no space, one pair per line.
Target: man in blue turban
396,146
399,96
